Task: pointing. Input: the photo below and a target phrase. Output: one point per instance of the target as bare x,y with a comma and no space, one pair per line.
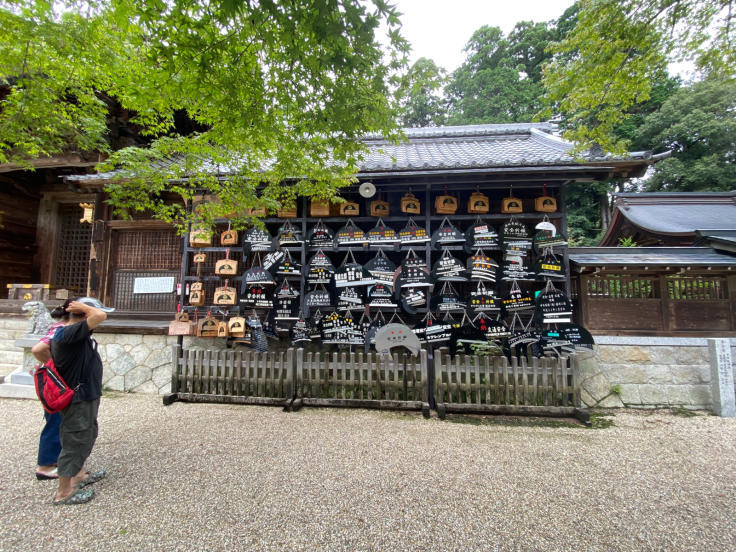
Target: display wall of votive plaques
473,264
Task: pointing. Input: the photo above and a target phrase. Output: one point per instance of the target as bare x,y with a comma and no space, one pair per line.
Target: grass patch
514,421
601,421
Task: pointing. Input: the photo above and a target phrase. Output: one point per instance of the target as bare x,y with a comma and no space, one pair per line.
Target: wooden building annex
670,218
655,291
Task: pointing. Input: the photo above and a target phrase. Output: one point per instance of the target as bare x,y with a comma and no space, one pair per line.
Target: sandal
92,478
79,496
51,474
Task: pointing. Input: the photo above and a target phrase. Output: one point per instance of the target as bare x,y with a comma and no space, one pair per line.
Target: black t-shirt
76,358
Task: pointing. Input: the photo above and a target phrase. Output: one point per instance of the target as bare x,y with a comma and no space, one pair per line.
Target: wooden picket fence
242,377
295,378
362,380
492,384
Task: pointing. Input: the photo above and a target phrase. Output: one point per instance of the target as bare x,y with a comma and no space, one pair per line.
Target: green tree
501,79
283,91
588,204
420,95
698,124
608,63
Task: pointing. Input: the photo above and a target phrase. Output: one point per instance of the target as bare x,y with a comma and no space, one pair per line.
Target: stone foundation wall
12,327
648,372
142,363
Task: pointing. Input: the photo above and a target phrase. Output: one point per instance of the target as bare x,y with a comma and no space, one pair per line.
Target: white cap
94,302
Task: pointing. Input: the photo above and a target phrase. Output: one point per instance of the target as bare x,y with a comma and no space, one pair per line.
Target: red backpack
52,390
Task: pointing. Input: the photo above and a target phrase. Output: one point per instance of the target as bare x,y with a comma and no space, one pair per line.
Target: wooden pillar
584,315
664,299
97,252
731,294
563,229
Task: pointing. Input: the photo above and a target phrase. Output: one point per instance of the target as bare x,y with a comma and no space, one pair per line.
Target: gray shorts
78,434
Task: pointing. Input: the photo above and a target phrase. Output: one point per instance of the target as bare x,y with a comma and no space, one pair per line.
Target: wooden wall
658,303
18,211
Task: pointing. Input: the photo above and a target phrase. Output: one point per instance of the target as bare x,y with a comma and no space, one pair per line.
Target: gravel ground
218,477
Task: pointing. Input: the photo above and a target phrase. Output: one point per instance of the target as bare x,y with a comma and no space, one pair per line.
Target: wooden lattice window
696,288
146,249
72,252
144,254
618,286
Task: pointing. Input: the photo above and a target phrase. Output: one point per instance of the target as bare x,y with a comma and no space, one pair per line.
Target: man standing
78,362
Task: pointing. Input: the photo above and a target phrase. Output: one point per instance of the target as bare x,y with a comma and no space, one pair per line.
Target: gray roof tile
679,213
648,256
463,147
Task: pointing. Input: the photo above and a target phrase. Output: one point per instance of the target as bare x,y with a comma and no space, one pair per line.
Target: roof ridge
488,129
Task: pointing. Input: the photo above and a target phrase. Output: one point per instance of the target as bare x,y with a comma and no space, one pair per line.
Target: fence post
288,369
175,368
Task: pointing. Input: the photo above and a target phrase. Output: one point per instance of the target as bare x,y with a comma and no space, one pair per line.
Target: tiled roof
648,256
679,213
468,147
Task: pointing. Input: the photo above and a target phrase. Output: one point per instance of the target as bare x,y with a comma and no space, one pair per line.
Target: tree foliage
283,90
698,124
420,95
607,63
500,79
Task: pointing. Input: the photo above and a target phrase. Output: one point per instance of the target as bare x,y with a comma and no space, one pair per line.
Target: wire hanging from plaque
286,302
517,301
382,236
256,275
319,297
552,306
448,269
549,267
381,296
382,269
515,236
447,300
482,299
349,298
413,276
447,234
288,235
467,338
480,235
413,260
299,332
350,235
288,268
412,299
351,273
320,269
321,236
521,340
481,267
547,236
413,233
432,331
256,239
